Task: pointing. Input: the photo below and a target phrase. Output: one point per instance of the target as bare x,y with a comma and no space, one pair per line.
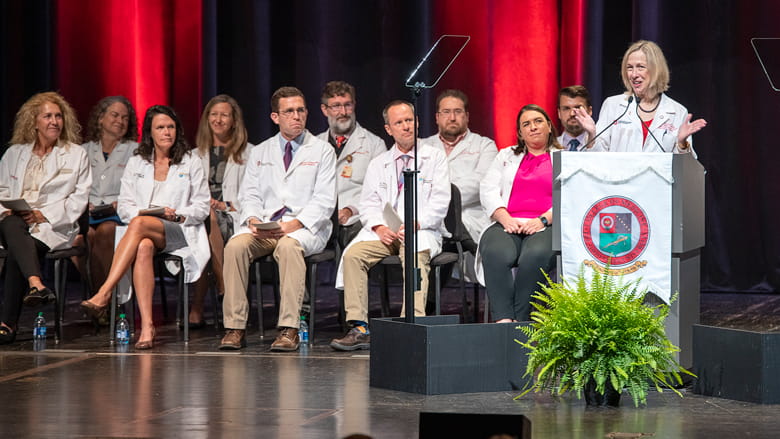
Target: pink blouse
532,189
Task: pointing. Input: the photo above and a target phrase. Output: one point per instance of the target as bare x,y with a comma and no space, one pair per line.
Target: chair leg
312,299
215,304
259,298
163,294
437,279
185,304
385,293
59,299
476,302
112,318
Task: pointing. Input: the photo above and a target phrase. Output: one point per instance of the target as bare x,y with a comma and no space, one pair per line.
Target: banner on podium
616,209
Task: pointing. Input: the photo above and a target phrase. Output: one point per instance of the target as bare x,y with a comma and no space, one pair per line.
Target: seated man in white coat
469,156
354,146
290,180
384,185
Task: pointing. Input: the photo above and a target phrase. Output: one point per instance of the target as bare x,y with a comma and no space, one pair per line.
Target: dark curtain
26,48
521,52
253,47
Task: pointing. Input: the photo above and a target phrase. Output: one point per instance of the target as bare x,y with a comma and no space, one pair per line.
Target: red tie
340,141
287,155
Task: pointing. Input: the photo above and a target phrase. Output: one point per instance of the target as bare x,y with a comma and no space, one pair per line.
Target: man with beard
574,137
354,146
469,156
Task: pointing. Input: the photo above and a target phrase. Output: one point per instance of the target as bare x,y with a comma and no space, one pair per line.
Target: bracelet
682,146
177,219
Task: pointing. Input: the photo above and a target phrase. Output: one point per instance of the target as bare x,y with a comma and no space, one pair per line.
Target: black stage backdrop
250,48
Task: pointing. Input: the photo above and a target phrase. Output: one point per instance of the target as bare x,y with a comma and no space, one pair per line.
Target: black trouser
23,260
500,251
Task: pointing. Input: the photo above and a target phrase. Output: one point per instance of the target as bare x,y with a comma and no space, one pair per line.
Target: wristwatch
544,221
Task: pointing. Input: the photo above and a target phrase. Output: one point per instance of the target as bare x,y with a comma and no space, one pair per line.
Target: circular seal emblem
615,230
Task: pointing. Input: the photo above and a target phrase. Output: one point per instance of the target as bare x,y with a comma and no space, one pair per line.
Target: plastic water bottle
122,330
39,327
303,330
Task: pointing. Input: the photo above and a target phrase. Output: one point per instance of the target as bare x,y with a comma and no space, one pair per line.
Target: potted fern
598,337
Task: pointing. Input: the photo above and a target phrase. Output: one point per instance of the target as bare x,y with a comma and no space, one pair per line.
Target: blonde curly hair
24,123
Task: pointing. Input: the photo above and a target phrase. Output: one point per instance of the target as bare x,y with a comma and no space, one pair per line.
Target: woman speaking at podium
517,192
644,118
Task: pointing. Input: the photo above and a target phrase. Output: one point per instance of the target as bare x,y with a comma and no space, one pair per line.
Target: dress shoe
97,313
233,340
7,335
36,297
356,338
286,341
147,344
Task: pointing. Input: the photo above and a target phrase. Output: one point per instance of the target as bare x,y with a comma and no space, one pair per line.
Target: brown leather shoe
355,339
233,340
286,341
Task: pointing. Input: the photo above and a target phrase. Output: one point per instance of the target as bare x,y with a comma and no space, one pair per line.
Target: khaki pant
240,251
359,259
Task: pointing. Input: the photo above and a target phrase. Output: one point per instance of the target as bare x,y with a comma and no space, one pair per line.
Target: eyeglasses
290,111
457,112
338,107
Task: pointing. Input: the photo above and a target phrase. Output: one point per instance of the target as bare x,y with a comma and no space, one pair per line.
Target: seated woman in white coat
112,132
517,192
222,147
46,168
166,175
643,118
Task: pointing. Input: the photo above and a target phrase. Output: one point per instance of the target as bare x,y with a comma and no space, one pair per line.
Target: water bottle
122,330
303,330
39,327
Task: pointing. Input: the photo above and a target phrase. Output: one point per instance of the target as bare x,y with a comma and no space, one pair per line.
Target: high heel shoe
7,335
98,313
147,344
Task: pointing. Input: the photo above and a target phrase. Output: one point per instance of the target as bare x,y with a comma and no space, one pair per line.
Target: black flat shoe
7,336
36,297
197,325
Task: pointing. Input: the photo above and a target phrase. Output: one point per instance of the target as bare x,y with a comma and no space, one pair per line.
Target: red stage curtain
148,51
521,52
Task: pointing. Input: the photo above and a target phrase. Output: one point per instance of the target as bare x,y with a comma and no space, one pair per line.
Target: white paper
392,220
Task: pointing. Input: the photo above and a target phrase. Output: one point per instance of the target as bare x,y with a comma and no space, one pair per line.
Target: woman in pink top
517,193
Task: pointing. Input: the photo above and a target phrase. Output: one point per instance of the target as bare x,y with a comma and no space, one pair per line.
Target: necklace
651,110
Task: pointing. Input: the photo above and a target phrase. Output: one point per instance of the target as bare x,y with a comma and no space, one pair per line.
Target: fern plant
599,330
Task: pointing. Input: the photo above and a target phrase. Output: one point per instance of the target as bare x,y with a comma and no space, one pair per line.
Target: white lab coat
626,134
63,193
495,190
231,181
361,147
107,174
186,191
381,187
469,161
307,189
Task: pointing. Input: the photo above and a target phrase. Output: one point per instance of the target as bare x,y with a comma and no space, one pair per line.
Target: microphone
587,145
649,131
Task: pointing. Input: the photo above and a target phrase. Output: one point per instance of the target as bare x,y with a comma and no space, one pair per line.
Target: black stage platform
84,388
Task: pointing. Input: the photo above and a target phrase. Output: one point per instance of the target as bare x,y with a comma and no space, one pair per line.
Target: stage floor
83,387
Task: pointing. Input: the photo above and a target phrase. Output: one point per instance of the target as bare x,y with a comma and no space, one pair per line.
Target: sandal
7,335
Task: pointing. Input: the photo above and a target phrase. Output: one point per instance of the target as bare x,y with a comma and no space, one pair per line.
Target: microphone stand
412,279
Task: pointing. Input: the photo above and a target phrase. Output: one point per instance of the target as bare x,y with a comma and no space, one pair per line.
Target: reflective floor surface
84,387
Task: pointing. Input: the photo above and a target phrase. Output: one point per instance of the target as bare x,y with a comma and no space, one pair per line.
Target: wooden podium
687,234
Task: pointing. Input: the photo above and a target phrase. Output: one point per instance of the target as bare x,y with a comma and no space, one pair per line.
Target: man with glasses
287,197
469,156
354,146
574,137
